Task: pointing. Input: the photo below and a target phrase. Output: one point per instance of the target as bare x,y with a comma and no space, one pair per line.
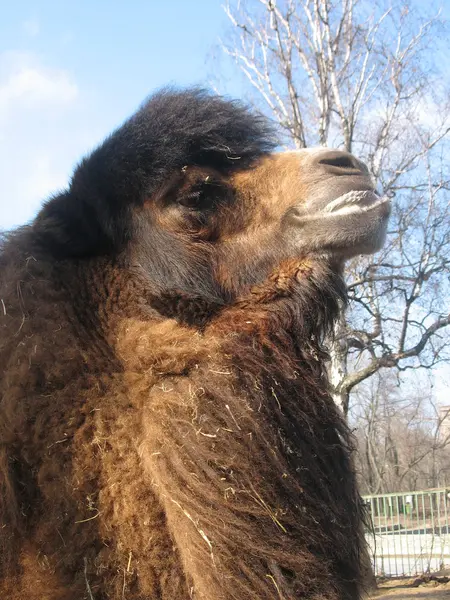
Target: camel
166,426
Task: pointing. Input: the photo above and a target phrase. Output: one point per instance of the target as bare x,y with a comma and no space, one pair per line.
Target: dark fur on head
171,130
166,429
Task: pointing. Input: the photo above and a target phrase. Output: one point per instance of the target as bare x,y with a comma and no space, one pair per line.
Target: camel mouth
356,201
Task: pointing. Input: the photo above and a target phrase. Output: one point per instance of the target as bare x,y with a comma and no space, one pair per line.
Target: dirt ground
417,588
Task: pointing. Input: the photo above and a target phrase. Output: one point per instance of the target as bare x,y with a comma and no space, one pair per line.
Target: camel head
190,192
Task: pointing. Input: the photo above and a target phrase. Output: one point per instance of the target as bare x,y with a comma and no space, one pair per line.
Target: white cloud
26,84
44,129
31,27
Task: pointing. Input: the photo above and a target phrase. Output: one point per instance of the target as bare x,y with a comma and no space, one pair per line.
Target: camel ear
70,227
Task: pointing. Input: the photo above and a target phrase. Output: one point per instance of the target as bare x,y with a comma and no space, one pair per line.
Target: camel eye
197,197
192,199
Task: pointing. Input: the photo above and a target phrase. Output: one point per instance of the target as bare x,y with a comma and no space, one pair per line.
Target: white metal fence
410,532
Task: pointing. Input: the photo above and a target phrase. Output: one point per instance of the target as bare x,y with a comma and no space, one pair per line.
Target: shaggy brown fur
166,431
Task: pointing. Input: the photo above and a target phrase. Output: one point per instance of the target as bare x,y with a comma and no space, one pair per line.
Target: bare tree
403,439
346,73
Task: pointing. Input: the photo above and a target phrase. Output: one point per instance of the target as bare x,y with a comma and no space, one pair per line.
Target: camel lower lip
355,201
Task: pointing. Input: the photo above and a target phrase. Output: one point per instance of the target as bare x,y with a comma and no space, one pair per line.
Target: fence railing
410,532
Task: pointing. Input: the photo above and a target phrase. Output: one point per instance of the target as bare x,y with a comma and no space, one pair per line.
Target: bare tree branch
355,75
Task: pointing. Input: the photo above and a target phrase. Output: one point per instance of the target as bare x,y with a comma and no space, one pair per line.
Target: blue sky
72,71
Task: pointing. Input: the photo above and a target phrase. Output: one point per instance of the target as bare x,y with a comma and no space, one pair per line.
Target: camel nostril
342,161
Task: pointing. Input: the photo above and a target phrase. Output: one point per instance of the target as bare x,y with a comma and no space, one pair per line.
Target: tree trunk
337,370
